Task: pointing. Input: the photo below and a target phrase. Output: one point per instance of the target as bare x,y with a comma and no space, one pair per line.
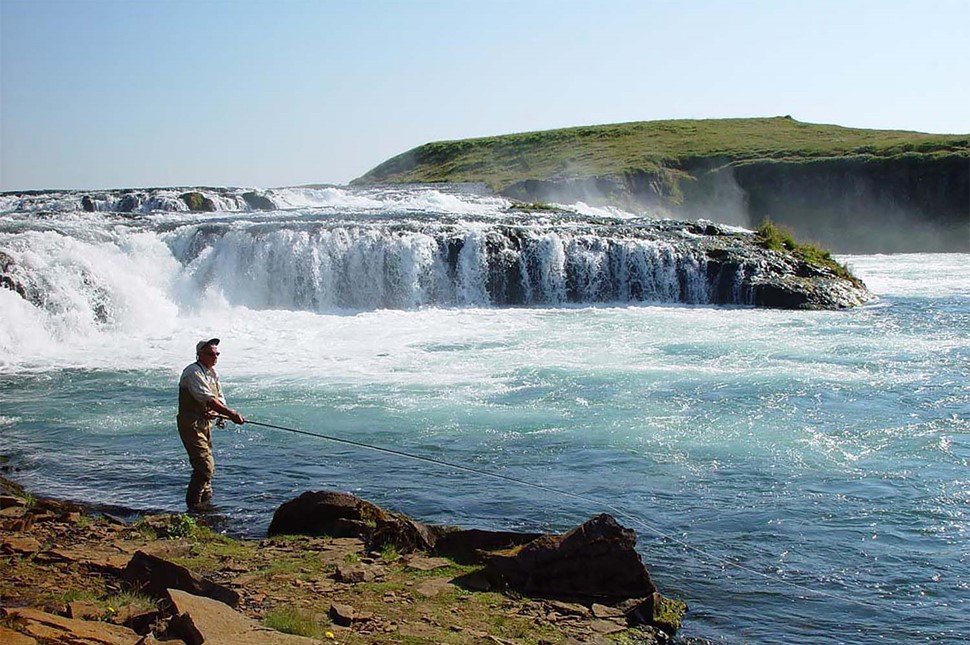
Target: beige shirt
198,386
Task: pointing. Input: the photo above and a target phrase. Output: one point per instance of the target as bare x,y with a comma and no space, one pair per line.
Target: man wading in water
200,401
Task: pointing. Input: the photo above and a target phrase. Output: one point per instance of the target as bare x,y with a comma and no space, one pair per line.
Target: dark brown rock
327,513
596,560
342,614
468,545
403,533
154,576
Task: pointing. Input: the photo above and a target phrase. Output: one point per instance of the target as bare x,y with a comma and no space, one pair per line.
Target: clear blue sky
125,93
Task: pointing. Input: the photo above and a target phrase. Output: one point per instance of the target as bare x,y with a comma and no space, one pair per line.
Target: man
200,401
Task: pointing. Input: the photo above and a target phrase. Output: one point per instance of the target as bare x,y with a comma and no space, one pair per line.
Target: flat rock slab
50,628
423,563
203,620
433,587
111,562
10,637
20,545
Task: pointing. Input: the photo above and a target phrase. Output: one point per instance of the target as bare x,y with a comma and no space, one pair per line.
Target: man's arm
224,410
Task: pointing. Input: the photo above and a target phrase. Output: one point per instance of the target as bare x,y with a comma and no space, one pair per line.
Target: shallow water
794,476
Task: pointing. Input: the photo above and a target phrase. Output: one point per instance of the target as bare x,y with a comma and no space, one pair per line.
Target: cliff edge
850,190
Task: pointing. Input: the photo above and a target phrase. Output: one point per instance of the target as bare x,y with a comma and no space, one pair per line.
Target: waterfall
79,265
326,268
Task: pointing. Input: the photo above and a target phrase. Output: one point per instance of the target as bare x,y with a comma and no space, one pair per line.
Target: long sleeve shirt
197,387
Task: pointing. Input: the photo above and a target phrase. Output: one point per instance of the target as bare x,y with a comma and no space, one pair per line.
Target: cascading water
84,270
326,267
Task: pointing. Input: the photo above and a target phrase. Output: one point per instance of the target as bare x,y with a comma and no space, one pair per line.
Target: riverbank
68,567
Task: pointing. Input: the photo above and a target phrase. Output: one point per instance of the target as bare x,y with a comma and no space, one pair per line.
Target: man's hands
218,407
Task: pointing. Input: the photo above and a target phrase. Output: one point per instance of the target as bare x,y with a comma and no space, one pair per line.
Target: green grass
666,149
777,238
292,621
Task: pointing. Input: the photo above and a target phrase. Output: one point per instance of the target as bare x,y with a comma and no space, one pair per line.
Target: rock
196,201
154,576
258,202
468,545
327,513
403,533
10,637
422,563
20,545
149,639
129,202
354,573
602,611
50,628
659,611
568,608
433,587
6,501
596,560
203,620
84,610
13,512
342,614
141,621
87,204
607,626
107,562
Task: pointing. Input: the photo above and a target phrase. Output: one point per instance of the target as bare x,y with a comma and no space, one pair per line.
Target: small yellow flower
329,635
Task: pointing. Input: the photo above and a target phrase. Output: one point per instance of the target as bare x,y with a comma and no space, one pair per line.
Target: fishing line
588,500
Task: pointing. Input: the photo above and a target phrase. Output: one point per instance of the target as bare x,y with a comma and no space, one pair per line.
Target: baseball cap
205,343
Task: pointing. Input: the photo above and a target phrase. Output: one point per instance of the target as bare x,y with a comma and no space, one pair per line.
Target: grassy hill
646,146
827,183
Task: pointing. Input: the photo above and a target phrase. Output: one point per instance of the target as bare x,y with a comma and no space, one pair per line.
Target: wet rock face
595,560
258,202
196,201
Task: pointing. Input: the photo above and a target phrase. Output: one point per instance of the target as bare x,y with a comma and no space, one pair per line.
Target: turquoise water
794,476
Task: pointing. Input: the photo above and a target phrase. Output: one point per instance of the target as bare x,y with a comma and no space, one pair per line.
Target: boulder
129,202
196,201
203,620
154,576
258,202
327,513
403,533
596,560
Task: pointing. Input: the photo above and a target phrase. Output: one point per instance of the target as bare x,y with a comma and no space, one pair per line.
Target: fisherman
200,402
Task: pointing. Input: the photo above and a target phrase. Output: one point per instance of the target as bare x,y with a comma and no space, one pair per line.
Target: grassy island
827,183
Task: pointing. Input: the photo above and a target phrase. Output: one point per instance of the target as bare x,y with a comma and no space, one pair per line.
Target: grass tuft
777,238
292,621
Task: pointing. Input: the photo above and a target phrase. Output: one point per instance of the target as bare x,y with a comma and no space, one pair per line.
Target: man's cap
205,343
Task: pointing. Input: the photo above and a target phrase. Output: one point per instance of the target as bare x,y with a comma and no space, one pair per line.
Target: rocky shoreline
335,569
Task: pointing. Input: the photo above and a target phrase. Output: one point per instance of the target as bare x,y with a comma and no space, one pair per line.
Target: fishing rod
589,500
